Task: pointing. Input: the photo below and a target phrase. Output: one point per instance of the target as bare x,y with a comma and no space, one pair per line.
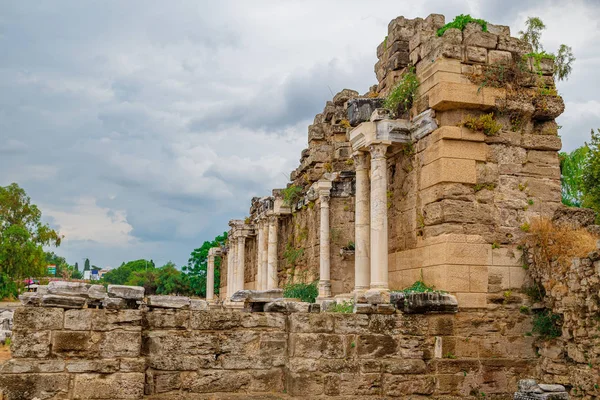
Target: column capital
214,251
378,150
361,160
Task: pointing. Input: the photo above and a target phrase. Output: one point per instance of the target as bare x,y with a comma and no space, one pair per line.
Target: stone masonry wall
167,354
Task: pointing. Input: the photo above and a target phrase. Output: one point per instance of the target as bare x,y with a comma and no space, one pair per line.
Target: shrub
484,123
547,324
460,22
345,307
291,194
591,174
419,287
307,292
401,97
557,245
8,288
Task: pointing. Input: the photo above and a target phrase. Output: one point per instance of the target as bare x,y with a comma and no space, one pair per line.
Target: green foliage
291,195
533,33
307,292
524,310
572,167
420,287
7,342
344,307
292,254
484,123
22,234
171,281
525,227
450,356
87,265
350,245
401,97
460,22
563,60
122,274
591,174
197,266
8,288
480,186
547,324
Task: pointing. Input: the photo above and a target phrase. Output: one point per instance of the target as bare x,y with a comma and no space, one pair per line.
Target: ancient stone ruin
441,192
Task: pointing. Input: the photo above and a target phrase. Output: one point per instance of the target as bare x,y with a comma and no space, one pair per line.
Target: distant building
87,275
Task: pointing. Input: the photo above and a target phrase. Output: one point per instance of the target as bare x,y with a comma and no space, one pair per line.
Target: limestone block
30,344
63,288
476,54
440,76
215,381
75,343
420,303
548,107
514,45
316,133
499,57
541,142
200,305
78,320
451,95
398,60
449,170
108,320
34,386
37,319
376,296
159,301
117,344
486,40
311,323
342,97
96,292
109,386
132,364
100,366
455,149
453,35
288,307
21,366
52,300
126,292
319,345
114,303
472,300
361,108
500,30
257,295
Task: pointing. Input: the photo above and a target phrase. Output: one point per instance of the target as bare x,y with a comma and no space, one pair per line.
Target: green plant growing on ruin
525,227
547,324
328,167
385,43
495,245
563,59
344,307
353,344
247,220
419,287
450,356
334,234
480,186
389,194
311,205
420,221
350,162
484,123
535,292
408,149
291,195
460,22
292,254
350,246
345,123
524,310
530,202
401,98
306,292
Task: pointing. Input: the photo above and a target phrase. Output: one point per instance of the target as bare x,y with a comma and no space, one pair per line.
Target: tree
86,266
76,267
120,275
22,234
198,264
171,281
591,174
563,60
572,166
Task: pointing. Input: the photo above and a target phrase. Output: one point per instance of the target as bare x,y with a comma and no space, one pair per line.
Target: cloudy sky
141,127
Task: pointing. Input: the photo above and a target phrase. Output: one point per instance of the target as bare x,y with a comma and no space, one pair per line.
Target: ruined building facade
381,201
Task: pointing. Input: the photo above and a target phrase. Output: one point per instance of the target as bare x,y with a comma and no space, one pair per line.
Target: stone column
362,226
210,276
259,256
265,255
379,218
240,255
272,254
324,190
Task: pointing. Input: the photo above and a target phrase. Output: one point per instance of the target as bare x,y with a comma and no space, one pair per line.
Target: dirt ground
4,353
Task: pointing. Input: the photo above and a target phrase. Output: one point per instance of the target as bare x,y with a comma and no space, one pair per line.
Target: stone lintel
280,208
388,131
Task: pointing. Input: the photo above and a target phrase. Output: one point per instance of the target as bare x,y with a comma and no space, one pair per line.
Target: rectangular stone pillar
324,191
272,281
379,218
240,255
362,234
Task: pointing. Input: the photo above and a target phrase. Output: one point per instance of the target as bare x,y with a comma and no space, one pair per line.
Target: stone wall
167,354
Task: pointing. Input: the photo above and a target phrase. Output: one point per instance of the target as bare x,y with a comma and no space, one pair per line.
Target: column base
377,296
324,289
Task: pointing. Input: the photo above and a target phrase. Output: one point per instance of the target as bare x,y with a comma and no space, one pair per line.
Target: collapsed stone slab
257,296
421,303
529,389
168,301
53,300
287,307
63,288
126,292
